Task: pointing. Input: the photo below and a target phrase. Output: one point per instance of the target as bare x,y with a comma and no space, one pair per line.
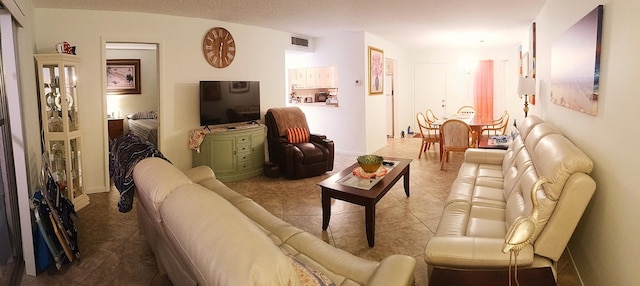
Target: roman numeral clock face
218,47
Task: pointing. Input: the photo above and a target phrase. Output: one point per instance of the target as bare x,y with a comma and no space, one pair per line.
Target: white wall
604,245
357,124
260,56
459,85
341,124
376,105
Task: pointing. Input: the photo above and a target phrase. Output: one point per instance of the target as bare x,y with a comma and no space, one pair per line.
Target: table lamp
526,86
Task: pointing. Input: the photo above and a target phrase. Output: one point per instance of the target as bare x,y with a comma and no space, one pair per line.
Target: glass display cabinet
60,122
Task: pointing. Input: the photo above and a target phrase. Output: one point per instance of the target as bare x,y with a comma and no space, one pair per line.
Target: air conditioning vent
300,42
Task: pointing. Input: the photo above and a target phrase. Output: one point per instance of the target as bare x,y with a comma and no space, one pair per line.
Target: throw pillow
298,135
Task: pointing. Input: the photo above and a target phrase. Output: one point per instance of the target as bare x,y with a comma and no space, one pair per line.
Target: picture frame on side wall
532,60
123,76
376,71
575,64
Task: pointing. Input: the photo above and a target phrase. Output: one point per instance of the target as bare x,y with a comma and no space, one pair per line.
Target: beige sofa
492,190
204,233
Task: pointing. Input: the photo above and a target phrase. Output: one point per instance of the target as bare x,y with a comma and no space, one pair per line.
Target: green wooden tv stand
233,154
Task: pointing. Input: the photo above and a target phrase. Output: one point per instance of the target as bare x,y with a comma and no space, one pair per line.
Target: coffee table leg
370,223
326,209
406,182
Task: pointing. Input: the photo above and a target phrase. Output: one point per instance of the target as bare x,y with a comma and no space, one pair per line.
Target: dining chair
466,112
428,133
499,126
456,136
431,118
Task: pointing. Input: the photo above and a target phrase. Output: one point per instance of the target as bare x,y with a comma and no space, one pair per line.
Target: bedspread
124,153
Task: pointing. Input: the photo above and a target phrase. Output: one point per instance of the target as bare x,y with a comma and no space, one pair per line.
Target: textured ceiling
411,23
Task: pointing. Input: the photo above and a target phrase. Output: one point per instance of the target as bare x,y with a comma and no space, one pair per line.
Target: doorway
389,94
120,107
430,88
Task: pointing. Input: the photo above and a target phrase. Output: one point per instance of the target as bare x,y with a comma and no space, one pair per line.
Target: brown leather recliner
296,160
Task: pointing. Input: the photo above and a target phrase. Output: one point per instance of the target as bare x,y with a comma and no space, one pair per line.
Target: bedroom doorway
139,108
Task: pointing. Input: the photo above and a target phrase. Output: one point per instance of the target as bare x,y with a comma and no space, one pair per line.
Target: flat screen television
224,102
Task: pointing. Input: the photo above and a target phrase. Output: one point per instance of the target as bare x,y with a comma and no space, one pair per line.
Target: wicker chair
457,136
431,118
499,126
428,133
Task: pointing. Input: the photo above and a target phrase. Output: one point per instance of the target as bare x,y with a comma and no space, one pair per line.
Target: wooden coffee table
331,188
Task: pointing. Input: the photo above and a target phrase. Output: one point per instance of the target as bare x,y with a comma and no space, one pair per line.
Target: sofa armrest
484,156
317,137
394,270
200,173
472,252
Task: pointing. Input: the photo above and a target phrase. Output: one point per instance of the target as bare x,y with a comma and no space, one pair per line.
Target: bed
144,125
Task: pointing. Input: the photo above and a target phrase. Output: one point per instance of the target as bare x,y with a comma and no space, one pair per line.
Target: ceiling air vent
301,43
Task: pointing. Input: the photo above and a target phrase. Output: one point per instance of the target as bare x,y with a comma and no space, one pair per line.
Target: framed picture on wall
123,76
575,64
376,69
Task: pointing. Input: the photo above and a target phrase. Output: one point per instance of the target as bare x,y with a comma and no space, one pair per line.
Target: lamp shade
526,85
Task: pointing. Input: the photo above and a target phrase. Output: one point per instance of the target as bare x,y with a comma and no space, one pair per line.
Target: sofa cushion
529,122
539,131
155,179
340,266
198,220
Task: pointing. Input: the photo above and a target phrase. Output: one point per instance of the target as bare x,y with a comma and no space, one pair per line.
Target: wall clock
218,47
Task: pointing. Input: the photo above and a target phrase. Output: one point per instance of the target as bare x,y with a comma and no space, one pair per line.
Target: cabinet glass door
72,99
58,161
51,77
75,168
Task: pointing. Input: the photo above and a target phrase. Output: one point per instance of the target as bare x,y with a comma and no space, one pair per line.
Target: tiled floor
114,253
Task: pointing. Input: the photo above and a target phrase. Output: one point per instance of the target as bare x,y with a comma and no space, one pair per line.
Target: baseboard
573,264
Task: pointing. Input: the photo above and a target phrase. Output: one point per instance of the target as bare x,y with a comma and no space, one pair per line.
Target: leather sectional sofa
204,233
490,204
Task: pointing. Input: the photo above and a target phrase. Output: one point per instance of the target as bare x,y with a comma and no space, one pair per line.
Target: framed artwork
525,64
520,60
532,60
376,68
123,76
239,86
575,64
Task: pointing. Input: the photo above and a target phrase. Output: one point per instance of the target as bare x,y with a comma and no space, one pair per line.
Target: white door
430,88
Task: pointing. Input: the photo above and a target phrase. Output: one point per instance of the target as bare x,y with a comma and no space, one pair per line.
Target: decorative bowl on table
370,163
